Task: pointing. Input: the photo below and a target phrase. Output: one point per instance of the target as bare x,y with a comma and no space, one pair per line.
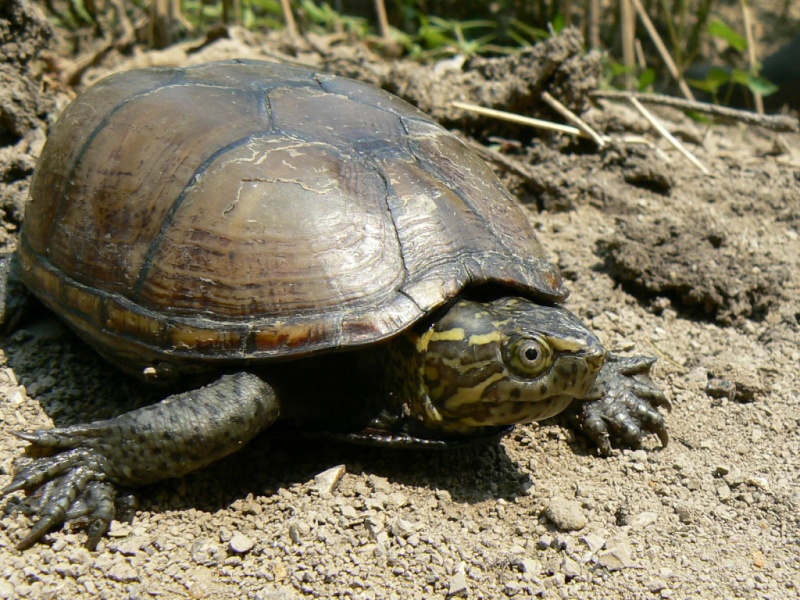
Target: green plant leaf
715,79
558,23
646,79
761,85
700,117
740,76
719,29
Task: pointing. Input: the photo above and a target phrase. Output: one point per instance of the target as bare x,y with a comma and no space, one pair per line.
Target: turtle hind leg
171,438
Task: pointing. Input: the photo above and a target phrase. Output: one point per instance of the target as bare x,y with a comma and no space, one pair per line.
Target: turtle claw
97,507
66,487
623,407
37,532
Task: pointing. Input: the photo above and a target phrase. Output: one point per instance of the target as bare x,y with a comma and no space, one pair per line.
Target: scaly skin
479,367
622,406
171,438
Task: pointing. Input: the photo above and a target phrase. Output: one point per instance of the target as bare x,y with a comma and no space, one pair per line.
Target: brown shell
246,210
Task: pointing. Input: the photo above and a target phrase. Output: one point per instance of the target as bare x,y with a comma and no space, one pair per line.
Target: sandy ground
699,270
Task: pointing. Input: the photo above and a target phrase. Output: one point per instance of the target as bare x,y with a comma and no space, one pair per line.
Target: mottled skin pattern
503,363
215,222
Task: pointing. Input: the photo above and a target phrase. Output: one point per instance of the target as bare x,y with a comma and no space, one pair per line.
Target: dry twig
662,49
291,26
773,122
383,20
593,24
573,118
668,136
751,52
628,24
513,118
568,129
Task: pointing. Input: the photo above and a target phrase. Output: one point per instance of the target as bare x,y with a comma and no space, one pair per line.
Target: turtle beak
595,359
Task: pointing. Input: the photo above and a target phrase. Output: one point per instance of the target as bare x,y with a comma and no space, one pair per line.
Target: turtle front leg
623,403
171,438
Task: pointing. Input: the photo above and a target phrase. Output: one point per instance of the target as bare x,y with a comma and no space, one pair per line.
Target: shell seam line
147,264
389,191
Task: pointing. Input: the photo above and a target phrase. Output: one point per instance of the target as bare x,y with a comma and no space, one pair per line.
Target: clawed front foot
623,404
68,486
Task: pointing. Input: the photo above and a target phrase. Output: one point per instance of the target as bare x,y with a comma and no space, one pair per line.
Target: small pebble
443,496
594,542
723,493
398,499
402,528
759,561
733,477
563,543
571,568
380,484
544,542
240,543
298,529
557,581
643,519
724,513
616,558
122,572
458,585
565,514
759,482
529,566
129,547
348,512
326,481
684,512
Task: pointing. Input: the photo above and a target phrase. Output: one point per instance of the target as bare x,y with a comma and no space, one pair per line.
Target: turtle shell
244,210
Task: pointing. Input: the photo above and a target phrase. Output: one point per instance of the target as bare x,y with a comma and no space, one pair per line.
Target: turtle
275,243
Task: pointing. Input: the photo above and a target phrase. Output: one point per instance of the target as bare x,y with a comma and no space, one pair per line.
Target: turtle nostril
596,359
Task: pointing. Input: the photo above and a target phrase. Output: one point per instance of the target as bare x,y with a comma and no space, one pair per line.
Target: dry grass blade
383,20
751,52
773,122
628,24
291,26
593,24
574,119
513,118
668,136
568,129
662,49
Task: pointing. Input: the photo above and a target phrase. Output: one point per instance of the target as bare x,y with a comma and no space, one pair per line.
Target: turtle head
503,362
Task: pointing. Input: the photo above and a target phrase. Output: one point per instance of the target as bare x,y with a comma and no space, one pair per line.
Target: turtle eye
528,357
